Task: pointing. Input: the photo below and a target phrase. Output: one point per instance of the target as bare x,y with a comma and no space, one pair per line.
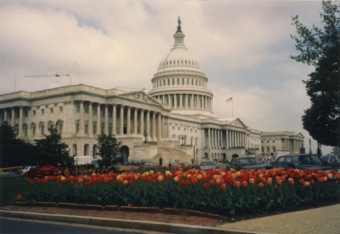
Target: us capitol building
174,119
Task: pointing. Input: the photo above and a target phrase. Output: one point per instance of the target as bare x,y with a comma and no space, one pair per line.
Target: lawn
10,187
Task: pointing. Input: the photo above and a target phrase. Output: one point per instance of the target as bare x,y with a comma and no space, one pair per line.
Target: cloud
242,46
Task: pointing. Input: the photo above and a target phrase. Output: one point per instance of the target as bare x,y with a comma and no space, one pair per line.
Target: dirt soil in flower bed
166,215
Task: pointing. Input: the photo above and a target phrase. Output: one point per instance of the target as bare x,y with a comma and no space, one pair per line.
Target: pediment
140,96
299,134
237,123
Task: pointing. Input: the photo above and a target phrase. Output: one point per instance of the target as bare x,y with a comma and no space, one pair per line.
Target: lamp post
310,146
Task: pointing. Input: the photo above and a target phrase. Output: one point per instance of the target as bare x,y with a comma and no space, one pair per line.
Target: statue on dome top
179,30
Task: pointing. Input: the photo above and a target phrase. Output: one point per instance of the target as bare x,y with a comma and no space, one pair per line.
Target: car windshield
306,160
331,159
249,161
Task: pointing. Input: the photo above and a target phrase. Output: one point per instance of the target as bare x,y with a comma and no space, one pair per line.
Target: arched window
86,149
33,128
95,151
74,150
42,128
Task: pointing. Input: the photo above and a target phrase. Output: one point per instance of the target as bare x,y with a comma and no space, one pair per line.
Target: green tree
321,49
109,150
52,150
14,152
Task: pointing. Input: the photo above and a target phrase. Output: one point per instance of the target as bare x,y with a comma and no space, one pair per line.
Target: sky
243,47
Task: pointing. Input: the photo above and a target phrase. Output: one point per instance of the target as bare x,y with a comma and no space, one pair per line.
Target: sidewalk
312,221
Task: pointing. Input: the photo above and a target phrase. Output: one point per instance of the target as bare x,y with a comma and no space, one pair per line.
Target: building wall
141,123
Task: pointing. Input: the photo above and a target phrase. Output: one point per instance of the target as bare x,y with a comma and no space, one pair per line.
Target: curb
120,223
164,210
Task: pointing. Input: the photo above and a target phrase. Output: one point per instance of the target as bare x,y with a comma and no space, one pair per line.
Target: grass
10,187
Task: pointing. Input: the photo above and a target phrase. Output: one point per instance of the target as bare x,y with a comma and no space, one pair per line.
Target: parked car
135,162
247,162
332,160
25,170
301,161
207,165
48,170
223,164
150,164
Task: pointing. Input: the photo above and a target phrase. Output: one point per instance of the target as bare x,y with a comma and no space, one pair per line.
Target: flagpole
232,109
232,105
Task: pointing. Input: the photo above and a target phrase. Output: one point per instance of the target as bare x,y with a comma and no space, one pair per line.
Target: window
280,162
34,113
42,111
51,110
61,109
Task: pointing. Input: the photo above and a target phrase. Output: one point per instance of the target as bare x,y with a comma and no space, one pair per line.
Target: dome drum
179,82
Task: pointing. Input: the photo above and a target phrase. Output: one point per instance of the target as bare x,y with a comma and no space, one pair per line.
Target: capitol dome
179,82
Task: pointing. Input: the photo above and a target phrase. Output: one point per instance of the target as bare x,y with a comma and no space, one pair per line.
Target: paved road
9,225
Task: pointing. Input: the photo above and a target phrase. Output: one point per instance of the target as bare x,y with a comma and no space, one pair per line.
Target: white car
207,165
25,170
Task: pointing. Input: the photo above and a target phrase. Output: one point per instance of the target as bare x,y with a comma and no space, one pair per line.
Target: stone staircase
172,154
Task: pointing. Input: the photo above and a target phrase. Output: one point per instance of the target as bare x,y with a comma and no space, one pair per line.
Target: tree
321,49
52,150
14,152
109,150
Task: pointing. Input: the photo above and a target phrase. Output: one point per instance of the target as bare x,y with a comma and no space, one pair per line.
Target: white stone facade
176,113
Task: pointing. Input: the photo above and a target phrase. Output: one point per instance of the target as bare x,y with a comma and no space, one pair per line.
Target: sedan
207,165
248,162
301,161
332,160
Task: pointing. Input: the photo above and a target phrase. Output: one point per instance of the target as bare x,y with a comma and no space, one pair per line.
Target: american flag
229,99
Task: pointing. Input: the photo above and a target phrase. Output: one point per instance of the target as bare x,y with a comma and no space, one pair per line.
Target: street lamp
310,146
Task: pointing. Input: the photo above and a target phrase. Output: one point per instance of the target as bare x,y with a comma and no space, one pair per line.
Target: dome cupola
179,82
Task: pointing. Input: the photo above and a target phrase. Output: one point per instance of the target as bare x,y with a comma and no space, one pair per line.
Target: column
98,119
128,118
90,119
12,117
154,126
5,115
192,101
20,122
141,122
135,121
175,101
81,118
121,120
209,145
148,125
114,119
181,101
106,120
159,132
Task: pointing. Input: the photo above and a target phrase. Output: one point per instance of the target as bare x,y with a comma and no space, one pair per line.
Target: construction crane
58,75
55,75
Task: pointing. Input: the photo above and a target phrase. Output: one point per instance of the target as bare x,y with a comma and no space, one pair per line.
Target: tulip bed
226,192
